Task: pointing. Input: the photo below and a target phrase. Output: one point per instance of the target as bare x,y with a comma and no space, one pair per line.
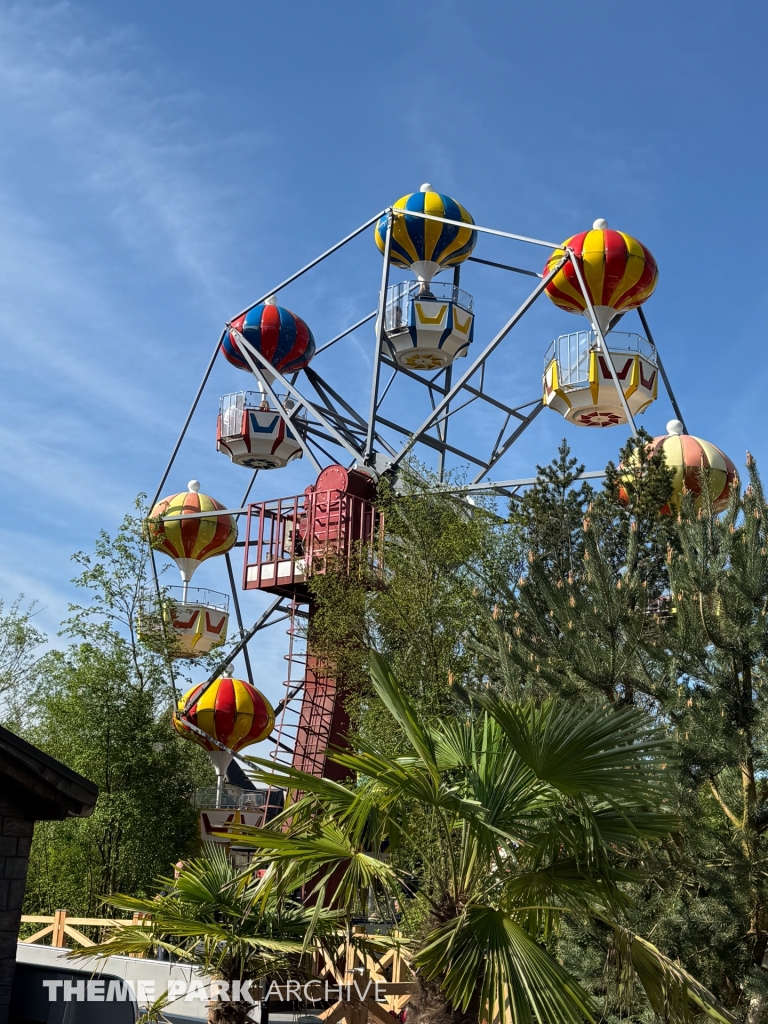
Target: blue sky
164,164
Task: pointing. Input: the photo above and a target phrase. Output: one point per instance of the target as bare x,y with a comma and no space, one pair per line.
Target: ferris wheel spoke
425,382
480,361
238,616
327,395
384,393
259,364
500,450
662,371
349,330
432,442
320,448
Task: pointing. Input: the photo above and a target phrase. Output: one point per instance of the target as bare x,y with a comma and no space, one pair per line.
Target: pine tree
548,518
583,616
719,637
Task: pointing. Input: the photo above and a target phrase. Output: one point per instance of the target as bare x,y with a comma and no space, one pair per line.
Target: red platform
334,523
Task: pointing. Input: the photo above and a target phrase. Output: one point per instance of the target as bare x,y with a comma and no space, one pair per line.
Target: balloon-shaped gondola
250,430
427,325
692,461
190,623
427,246
618,271
283,338
619,274
230,711
190,541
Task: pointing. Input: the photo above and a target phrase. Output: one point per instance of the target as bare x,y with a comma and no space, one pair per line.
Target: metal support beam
248,351
249,488
426,382
166,645
258,364
323,389
239,617
475,487
311,264
431,442
188,420
662,371
503,266
368,454
357,423
502,450
601,339
260,623
477,227
442,424
489,348
343,334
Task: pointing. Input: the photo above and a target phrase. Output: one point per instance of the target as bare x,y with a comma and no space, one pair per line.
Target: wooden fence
348,969
61,925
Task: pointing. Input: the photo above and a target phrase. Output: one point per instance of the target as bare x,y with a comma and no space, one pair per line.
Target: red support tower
333,525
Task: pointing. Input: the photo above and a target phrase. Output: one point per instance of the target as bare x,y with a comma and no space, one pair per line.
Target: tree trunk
229,1013
428,1005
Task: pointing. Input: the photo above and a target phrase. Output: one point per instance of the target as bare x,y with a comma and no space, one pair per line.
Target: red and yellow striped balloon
230,710
618,271
190,542
687,456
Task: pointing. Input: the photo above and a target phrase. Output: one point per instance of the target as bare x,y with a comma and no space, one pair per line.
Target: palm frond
672,992
399,707
609,754
517,973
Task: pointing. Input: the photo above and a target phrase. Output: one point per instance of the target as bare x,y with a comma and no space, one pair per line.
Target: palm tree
513,817
211,917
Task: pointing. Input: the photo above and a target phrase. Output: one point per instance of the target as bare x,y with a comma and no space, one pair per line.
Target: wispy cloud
108,115
114,233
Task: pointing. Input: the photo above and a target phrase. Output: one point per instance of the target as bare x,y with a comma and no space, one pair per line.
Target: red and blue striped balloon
283,338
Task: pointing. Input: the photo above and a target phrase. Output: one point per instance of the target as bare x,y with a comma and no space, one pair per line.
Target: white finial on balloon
229,670
426,187
600,224
271,301
675,427
194,486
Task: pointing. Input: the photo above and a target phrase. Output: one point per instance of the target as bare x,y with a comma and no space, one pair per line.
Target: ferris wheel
431,380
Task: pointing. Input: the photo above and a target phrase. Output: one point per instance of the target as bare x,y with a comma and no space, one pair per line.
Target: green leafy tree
102,706
668,611
584,615
548,517
19,641
532,811
444,561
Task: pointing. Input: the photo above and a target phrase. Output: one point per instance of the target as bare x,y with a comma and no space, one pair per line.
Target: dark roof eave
55,790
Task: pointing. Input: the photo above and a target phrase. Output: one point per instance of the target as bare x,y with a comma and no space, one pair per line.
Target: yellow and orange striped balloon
690,458
618,271
230,710
189,542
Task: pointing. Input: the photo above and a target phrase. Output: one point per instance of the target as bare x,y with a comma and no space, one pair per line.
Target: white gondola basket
427,327
251,431
185,623
579,385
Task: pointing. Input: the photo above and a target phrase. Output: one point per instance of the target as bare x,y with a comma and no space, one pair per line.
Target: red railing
289,539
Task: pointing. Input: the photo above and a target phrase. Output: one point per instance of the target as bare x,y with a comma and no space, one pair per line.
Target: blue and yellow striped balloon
427,246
